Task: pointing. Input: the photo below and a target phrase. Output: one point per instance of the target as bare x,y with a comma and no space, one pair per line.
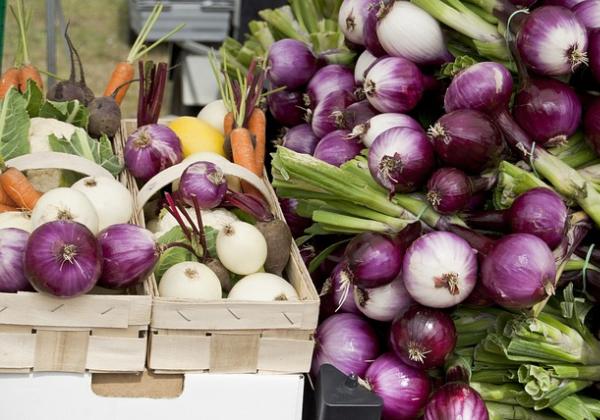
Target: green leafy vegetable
34,97
72,112
14,126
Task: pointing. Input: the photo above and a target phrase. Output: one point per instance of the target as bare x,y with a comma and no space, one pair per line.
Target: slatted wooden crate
235,336
94,332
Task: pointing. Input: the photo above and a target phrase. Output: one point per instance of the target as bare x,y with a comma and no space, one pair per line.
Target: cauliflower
216,219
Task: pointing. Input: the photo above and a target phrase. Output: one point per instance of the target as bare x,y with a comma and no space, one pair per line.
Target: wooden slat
179,352
234,353
116,354
17,351
285,355
61,351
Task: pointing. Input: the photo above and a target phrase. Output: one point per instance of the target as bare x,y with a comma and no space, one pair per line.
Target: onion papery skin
423,337
394,84
290,63
336,148
540,212
588,13
456,400
408,31
439,270
552,41
548,110
467,139
151,149
383,122
129,254
449,190
329,79
287,107
519,271
403,388
327,116
63,259
203,182
346,341
13,243
401,159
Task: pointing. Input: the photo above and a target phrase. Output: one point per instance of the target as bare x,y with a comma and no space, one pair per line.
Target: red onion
336,148
383,303
62,258
351,19
357,115
369,131
588,13
287,107
456,400
449,190
296,223
151,149
569,4
301,139
519,271
370,38
523,3
401,159
552,41
129,254
406,30
364,63
394,84
467,139
540,212
439,269
403,389
204,182
423,337
327,116
548,110
346,341
12,249
290,63
591,124
594,53
334,293
329,79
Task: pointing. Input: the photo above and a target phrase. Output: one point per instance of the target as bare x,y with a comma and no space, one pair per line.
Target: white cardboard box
64,396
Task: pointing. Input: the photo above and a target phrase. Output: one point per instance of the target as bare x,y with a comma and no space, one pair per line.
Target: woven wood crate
93,332
234,336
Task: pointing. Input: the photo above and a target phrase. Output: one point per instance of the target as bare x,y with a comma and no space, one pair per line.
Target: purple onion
151,149
591,124
357,115
403,389
401,159
588,13
523,3
383,303
296,223
346,341
363,64
369,131
467,139
449,190
594,53
552,41
540,212
301,139
394,84
456,400
290,63
569,4
203,182
373,260
439,269
13,243
336,148
129,254
63,259
328,115
335,293
519,271
329,79
370,38
287,107
423,337
351,19
548,110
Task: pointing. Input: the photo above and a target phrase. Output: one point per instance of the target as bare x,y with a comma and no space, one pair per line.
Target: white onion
263,287
362,65
190,280
241,248
382,122
16,219
110,198
65,204
410,32
213,114
383,303
351,19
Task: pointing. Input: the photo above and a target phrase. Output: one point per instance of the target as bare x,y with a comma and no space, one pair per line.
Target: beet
105,117
279,240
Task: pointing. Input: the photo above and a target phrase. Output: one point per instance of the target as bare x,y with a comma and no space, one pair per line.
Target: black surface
250,9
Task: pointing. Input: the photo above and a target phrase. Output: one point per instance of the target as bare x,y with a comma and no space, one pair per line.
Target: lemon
197,136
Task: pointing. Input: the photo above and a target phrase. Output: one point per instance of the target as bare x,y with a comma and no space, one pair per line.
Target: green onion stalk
501,411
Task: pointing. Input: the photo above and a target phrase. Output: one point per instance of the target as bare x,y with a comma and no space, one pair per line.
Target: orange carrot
18,187
9,79
243,155
123,73
29,72
6,208
257,124
5,198
228,124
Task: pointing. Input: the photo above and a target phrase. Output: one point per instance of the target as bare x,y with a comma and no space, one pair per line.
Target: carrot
5,198
10,78
29,72
124,70
243,155
6,208
228,124
257,124
25,70
18,187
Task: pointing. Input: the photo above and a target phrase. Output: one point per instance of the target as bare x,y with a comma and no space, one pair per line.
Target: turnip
263,287
65,204
241,248
190,280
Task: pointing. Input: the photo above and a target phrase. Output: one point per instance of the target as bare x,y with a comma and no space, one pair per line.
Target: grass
100,31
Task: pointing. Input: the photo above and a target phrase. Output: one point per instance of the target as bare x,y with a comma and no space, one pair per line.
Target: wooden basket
95,333
234,336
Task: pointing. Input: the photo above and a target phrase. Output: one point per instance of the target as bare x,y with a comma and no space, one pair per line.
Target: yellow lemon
197,136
